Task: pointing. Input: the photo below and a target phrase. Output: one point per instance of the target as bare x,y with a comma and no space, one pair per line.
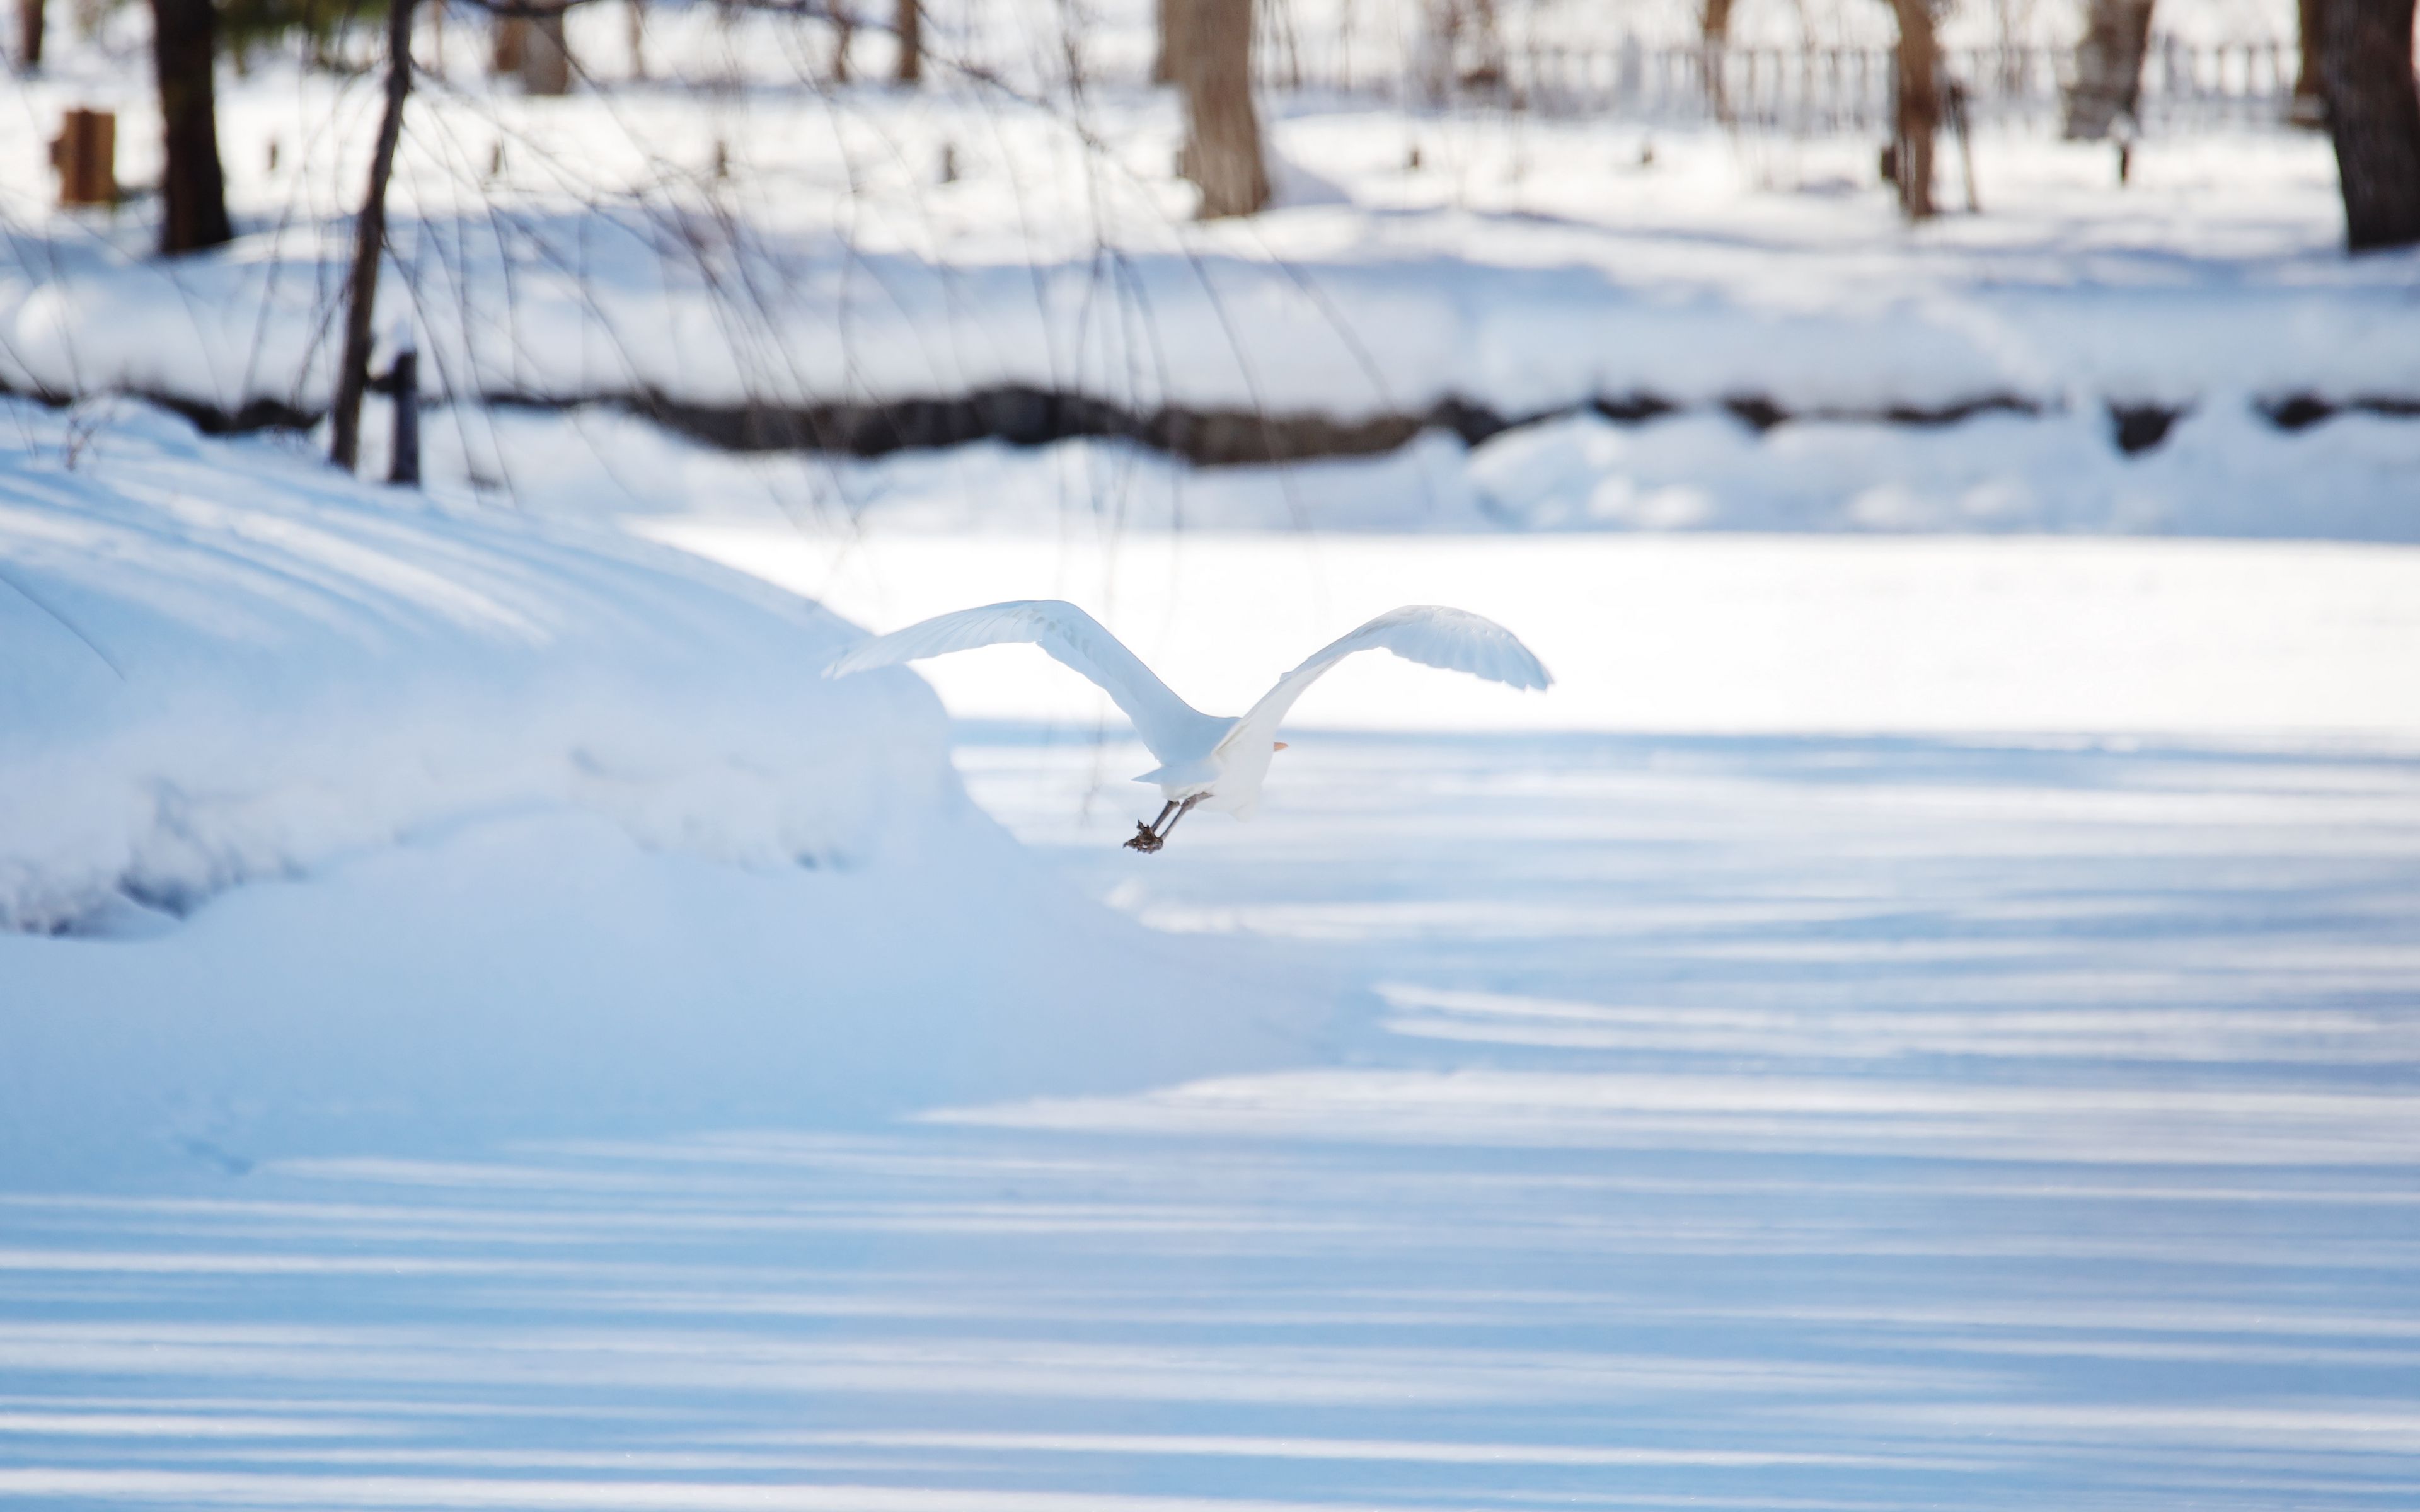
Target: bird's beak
1279,746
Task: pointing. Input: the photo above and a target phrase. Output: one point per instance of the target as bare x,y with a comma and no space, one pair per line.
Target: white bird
1206,759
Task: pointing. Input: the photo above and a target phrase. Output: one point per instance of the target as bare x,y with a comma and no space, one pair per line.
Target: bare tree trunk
912,42
2374,115
1488,71
844,32
1163,58
546,57
2108,68
2309,106
1222,135
29,35
1916,114
634,17
1714,40
192,188
369,242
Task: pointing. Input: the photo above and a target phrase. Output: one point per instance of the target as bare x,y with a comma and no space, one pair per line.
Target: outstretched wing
1430,634
1173,729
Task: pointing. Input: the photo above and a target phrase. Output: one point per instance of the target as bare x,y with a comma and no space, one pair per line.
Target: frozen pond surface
1755,1122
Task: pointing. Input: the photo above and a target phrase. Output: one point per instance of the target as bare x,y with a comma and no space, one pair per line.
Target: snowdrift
320,806
227,673
2221,472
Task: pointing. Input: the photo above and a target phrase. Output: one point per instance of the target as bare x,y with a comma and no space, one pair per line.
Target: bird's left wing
1430,634
1174,729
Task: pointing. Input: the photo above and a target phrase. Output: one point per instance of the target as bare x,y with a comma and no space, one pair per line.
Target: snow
2221,471
1922,1013
1532,265
329,816
1931,636
231,690
1761,1120
1931,1024
1526,271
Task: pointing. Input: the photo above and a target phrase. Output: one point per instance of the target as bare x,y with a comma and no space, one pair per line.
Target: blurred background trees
2373,115
1817,67
193,187
1210,53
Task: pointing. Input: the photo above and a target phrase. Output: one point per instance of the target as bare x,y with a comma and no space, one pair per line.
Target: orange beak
1279,746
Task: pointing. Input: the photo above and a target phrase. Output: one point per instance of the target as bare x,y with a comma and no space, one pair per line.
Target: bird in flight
1206,759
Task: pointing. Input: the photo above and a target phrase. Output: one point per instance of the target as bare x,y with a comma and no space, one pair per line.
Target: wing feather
1173,729
1430,634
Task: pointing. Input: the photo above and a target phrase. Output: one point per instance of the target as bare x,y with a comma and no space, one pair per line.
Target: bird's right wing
1173,729
1456,640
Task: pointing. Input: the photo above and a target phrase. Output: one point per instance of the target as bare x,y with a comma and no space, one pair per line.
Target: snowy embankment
2220,472
498,826
830,285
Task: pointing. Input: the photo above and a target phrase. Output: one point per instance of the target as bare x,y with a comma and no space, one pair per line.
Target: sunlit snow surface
1772,1123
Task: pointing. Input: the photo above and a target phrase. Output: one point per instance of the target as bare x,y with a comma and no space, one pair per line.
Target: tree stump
85,155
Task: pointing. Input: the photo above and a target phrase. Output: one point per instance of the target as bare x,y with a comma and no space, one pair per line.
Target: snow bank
1374,328
544,831
224,675
1527,267
2222,470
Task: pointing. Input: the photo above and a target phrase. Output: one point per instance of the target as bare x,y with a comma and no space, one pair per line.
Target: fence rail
1807,91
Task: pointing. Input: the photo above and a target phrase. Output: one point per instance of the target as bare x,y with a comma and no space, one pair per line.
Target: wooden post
403,386
87,158
912,42
29,35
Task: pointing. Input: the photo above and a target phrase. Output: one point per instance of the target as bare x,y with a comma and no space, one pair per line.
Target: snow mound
550,833
2221,471
213,683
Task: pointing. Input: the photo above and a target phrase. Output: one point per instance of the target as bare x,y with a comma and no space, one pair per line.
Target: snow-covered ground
1901,1023
2004,1098
329,819
1749,1122
2247,640
869,246
1526,265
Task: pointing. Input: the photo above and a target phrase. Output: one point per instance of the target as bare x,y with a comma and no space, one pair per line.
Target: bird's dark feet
1146,838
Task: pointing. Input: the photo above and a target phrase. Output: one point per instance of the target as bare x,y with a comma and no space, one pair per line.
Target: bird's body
1207,761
